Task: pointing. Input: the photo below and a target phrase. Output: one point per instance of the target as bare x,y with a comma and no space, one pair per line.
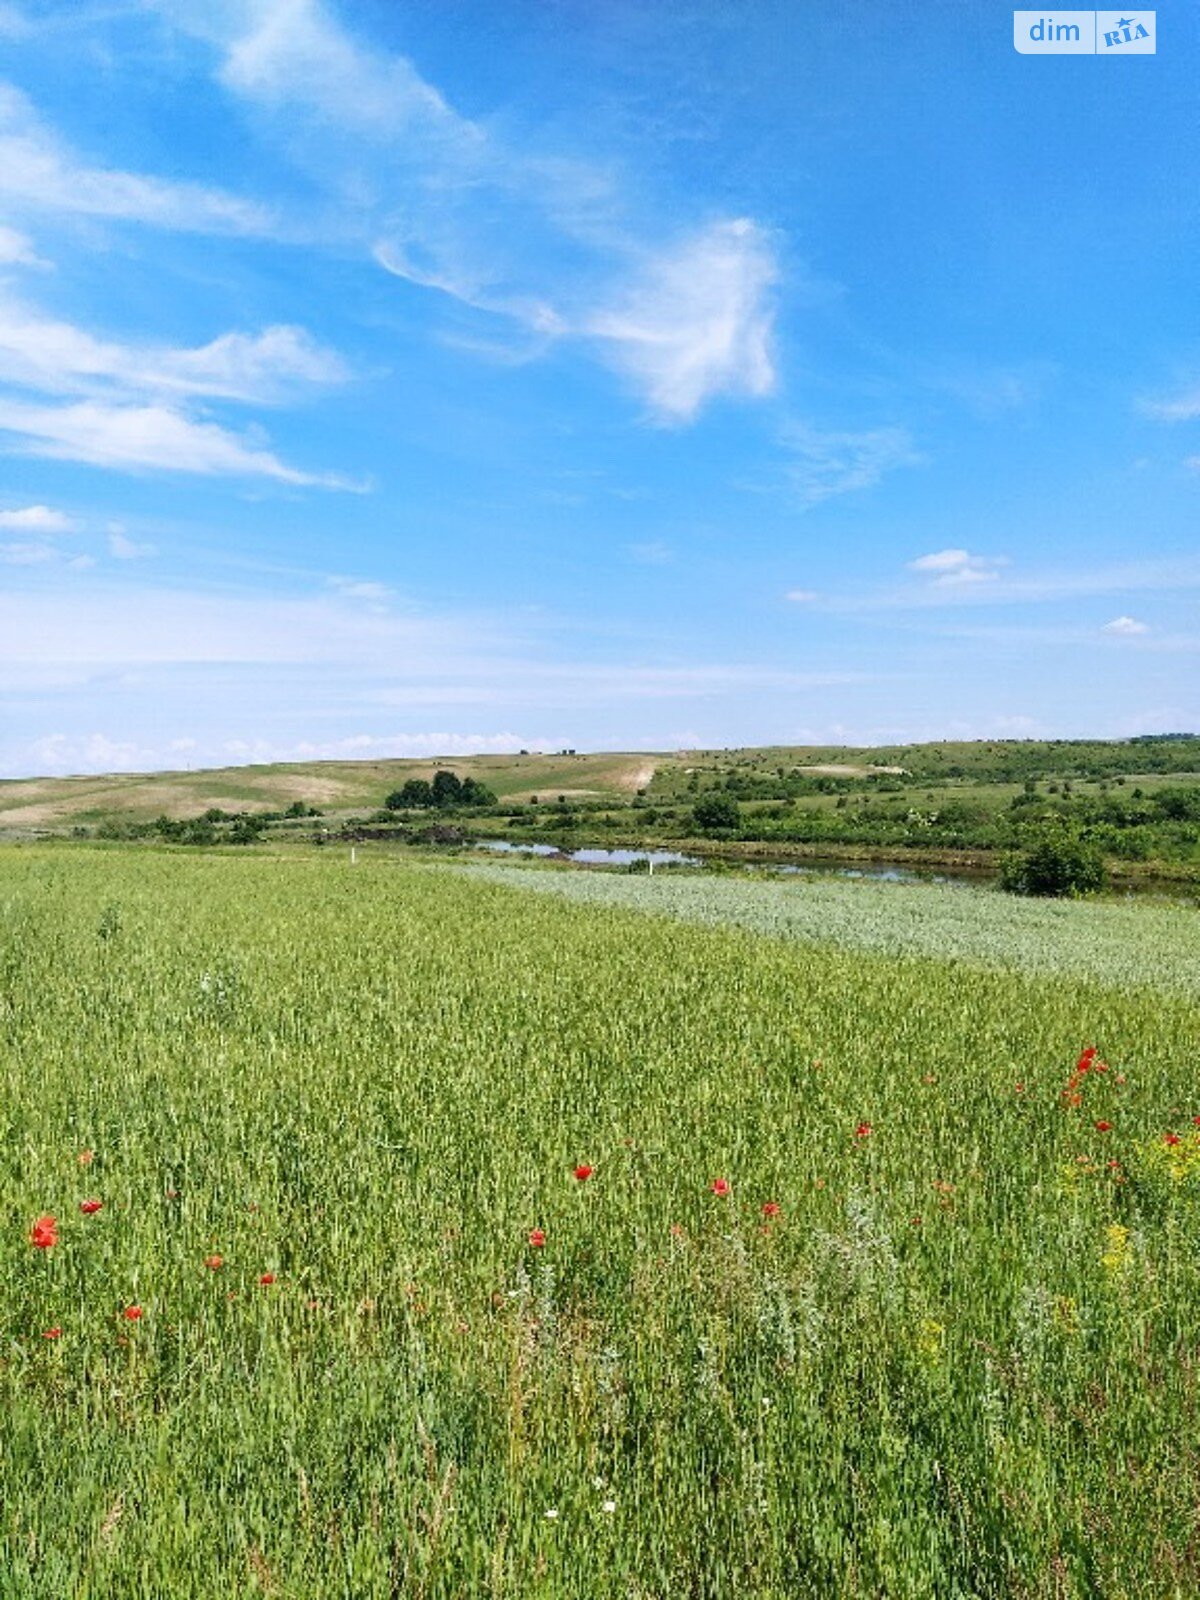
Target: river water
880,871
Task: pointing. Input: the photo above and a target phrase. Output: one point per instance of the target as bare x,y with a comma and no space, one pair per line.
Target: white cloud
293,53
13,23
1048,585
122,548
651,553
37,553
27,554
539,240
38,519
38,171
16,250
697,323
43,354
954,567
375,594
1125,627
827,464
60,754
389,746
1183,407
56,754
149,437
253,367
801,596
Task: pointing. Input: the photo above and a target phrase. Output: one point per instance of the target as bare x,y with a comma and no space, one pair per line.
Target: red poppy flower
1104,1127
1020,1088
1085,1060
90,1207
720,1186
772,1208
133,1313
863,1131
1171,1138
583,1172
86,1157
213,1263
537,1237
52,1333
44,1233
267,1278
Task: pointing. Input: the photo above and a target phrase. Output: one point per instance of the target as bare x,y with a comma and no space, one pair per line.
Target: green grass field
938,1338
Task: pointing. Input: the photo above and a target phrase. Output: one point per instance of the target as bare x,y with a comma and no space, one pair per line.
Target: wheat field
390,1230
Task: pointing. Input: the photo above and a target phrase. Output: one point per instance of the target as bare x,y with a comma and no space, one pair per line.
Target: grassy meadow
878,1285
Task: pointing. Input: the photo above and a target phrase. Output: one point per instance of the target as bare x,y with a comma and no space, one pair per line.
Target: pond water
593,857
816,866
880,871
964,877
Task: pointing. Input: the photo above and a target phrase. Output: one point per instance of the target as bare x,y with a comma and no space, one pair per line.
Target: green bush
1060,864
714,813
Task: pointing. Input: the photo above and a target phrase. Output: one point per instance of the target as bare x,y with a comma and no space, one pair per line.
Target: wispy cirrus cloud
1021,588
40,172
540,241
26,553
47,354
14,24
16,250
145,438
37,553
122,548
288,52
1183,406
824,464
132,414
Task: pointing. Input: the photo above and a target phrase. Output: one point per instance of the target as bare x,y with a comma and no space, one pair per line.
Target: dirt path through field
640,777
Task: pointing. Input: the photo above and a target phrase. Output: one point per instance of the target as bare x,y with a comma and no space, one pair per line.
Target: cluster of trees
214,827
446,792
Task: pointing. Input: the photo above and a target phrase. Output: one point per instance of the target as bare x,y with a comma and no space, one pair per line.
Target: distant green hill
336,787
343,789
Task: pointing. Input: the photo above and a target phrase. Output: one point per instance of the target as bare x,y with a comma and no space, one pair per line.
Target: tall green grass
962,1359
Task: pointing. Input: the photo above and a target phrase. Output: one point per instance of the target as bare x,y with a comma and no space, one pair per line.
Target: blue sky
409,379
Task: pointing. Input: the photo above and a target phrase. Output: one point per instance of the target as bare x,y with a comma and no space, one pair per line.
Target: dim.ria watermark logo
1084,33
